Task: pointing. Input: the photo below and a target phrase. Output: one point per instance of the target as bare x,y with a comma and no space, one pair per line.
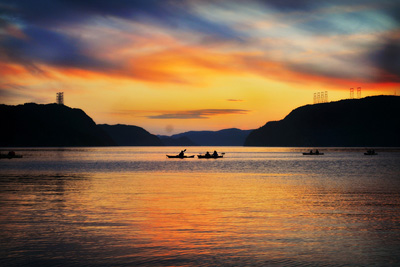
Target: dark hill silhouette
34,125
226,137
129,135
178,141
371,121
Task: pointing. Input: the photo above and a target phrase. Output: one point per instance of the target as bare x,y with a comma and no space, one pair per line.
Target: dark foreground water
255,207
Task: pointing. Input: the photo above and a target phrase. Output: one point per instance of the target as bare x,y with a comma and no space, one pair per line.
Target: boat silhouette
316,153
370,153
179,157
10,155
210,156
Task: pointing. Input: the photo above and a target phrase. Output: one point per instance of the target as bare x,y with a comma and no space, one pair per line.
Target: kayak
179,157
316,154
209,157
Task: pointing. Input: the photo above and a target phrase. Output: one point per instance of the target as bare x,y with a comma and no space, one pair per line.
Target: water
130,206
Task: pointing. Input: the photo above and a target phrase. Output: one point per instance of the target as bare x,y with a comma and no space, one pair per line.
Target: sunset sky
174,66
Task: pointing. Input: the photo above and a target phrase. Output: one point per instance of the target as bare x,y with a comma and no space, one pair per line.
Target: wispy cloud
11,90
155,41
198,114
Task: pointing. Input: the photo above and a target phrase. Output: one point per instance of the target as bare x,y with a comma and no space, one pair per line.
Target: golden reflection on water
201,218
264,217
256,206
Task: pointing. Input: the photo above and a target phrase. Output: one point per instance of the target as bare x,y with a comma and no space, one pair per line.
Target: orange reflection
163,215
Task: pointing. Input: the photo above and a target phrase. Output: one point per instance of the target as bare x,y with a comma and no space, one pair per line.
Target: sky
172,66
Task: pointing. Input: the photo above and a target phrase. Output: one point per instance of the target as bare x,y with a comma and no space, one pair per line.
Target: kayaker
182,153
215,154
207,154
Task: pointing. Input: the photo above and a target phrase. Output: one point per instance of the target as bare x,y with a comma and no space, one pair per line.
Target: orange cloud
198,114
182,64
11,69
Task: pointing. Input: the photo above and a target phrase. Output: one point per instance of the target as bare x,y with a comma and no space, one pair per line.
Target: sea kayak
179,157
209,156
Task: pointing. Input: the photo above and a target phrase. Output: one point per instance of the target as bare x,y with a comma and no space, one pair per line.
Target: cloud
64,34
171,14
49,47
8,90
198,114
387,59
314,38
168,41
46,13
13,91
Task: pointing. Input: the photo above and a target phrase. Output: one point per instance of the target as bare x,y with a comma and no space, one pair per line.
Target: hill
34,125
129,135
368,122
226,137
176,141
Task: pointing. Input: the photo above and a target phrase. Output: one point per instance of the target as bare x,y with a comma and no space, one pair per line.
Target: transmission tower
321,97
60,98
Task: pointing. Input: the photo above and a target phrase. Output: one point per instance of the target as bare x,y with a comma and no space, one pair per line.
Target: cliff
129,135
368,122
34,125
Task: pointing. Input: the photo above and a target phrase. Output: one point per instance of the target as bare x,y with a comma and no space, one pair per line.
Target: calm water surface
255,207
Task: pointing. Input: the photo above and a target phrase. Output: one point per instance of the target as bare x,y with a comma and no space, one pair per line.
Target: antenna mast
60,98
321,97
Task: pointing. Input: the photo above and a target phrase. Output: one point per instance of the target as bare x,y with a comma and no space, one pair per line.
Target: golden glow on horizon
131,102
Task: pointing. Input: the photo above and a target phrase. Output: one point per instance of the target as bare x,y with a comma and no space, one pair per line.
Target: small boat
10,155
317,153
209,156
370,153
179,157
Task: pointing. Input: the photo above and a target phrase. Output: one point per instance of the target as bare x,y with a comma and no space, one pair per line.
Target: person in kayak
182,154
215,154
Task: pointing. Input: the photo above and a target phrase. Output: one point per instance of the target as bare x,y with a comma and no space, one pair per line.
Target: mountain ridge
49,125
370,121
224,137
130,135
